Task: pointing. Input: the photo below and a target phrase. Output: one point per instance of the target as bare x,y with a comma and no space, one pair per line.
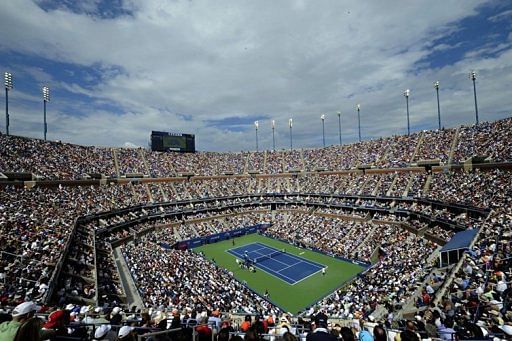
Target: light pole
358,107
472,76
256,125
322,117
46,98
436,86
273,135
339,124
8,86
406,94
290,124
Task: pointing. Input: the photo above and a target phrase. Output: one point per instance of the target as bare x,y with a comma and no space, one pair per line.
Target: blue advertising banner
195,242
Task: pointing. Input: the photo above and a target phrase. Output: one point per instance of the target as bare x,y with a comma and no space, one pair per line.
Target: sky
118,69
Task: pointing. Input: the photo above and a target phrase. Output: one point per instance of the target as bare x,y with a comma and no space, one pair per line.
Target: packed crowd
388,244
169,279
30,212
404,262
37,224
435,145
53,160
74,322
325,232
489,139
56,160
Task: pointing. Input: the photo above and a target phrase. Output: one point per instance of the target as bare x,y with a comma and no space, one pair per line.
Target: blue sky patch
104,9
490,27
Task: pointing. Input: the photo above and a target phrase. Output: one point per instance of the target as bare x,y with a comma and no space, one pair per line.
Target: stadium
393,237
76,242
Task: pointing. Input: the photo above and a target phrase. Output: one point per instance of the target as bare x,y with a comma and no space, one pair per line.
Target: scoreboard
164,142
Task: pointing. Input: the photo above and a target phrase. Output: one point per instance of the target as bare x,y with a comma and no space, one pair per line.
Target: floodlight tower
8,86
290,124
322,117
256,125
407,94
436,86
472,76
339,124
358,107
273,135
46,98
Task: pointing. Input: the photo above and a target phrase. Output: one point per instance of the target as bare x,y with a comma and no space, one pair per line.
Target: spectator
104,332
365,336
347,334
21,314
57,322
246,324
204,331
30,330
379,333
320,332
215,320
126,333
289,337
446,331
115,316
408,335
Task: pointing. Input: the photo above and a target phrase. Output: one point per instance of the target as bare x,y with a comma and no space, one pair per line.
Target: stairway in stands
454,145
116,161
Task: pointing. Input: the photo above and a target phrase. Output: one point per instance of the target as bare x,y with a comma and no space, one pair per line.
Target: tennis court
288,297
287,267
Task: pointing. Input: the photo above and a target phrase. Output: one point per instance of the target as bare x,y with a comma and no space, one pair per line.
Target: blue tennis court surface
290,268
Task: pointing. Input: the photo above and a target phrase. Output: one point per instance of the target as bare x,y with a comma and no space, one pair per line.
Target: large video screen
164,141
174,142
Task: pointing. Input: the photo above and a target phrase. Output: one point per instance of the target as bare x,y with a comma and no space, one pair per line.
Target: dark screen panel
164,141
156,143
174,142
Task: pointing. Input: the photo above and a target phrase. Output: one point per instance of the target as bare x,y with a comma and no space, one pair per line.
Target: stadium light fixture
290,124
46,98
436,86
407,93
322,117
339,124
472,76
256,125
358,107
8,86
273,135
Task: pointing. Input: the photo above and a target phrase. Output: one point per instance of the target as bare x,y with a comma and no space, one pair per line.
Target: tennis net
270,255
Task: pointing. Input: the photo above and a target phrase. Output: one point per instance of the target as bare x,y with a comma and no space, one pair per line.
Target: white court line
307,277
255,251
289,266
286,264
272,272
232,253
296,257
258,250
243,254
260,266
282,253
310,262
275,271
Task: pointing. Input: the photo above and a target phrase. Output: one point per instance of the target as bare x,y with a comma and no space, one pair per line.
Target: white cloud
505,15
215,60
